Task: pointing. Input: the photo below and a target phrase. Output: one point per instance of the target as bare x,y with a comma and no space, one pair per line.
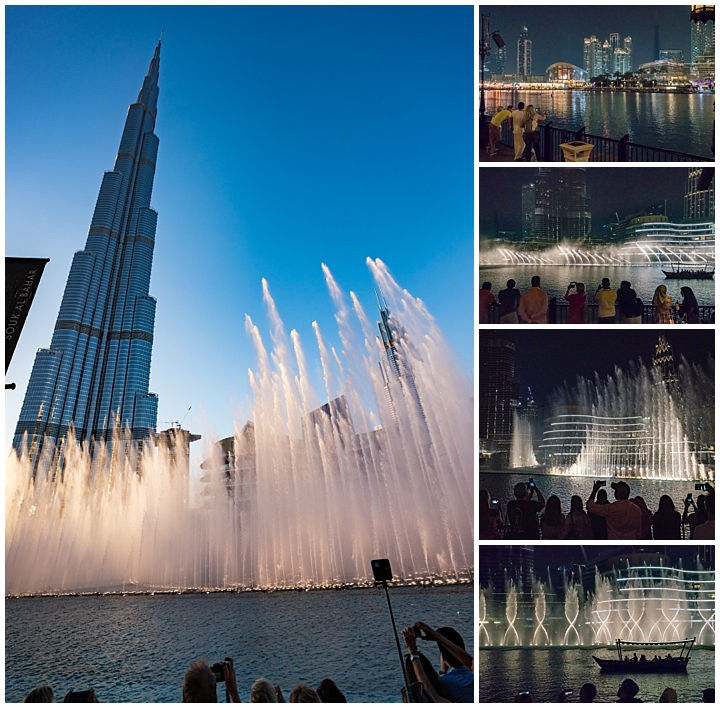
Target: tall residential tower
94,377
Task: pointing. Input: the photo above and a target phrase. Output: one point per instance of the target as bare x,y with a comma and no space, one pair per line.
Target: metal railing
604,150
558,311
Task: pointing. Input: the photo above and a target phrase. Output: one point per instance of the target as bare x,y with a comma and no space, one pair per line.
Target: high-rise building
702,49
676,55
593,56
93,380
699,204
524,53
562,211
528,212
498,395
497,60
656,44
664,364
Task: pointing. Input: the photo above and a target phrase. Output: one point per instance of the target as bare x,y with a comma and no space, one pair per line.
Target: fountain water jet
385,468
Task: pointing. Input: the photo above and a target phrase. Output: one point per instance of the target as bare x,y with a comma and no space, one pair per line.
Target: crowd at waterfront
533,306
453,682
530,516
523,122
628,692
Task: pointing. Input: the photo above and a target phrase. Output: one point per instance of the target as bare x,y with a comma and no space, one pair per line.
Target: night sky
557,32
546,358
625,190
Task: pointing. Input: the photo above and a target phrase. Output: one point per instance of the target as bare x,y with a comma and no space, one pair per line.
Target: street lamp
485,51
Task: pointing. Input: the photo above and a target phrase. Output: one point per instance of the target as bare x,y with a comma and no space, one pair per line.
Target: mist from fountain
640,604
522,453
630,425
327,491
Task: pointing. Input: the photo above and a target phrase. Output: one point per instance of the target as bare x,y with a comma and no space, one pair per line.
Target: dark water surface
501,673
137,648
680,122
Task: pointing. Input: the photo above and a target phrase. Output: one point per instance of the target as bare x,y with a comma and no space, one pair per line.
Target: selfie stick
397,641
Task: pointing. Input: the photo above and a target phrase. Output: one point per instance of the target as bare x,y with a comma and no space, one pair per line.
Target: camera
702,487
494,502
573,284
417,631
381,570
602,483
688,498
531,484
219,670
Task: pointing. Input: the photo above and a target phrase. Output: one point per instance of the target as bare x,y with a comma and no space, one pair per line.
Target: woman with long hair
577,525
689,311
531,135
551,521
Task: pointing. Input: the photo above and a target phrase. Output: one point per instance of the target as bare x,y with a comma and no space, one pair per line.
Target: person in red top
577,311
487,300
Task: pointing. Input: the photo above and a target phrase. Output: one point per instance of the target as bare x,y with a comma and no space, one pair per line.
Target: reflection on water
500,484
555,279
137,649
501,673
681,122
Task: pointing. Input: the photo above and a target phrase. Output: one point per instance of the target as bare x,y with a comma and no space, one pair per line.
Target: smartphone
688,498
568,692
573,284
494,502
531,484
602,482
381,570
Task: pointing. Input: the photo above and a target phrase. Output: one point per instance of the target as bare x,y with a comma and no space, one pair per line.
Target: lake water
138,648
500,485
501,673
681,122
555,279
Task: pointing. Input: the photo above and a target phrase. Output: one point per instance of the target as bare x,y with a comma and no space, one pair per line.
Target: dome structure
562,71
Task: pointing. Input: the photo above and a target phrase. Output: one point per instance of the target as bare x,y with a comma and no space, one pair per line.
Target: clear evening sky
557,31
289,137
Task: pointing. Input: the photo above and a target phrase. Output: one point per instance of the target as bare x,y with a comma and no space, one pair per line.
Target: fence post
580,133
623,148
552,311
547,146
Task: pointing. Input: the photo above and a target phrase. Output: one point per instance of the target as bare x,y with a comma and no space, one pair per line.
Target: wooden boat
657,665
680,273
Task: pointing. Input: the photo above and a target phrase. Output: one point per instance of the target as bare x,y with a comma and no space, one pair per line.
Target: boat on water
679,272
629,662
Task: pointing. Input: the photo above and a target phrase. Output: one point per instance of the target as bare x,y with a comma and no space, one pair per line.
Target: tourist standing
605,298
689,312
577,304
523,510
599,523
509,300
531,134
551,521
496,121
533,305
577,525
663,306
486,301
624,519
517,119
666,521
631,308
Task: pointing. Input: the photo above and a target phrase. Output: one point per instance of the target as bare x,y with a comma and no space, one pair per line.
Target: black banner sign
22,277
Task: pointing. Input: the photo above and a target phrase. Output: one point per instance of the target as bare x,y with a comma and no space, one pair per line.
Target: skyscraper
524,53
699,204
702,48
593,56
498,394
528,212
94,377
562,211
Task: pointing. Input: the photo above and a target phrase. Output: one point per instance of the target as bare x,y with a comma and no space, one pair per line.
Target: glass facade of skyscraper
94,378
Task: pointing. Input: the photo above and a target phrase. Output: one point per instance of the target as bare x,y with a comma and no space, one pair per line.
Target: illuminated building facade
524,53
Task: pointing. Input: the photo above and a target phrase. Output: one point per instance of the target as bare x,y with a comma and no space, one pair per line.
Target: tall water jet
384,468
522,453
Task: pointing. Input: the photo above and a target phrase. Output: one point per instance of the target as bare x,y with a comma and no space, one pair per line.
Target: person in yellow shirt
605,298
503,114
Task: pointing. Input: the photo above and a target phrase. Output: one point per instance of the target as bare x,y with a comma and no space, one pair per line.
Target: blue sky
289,136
